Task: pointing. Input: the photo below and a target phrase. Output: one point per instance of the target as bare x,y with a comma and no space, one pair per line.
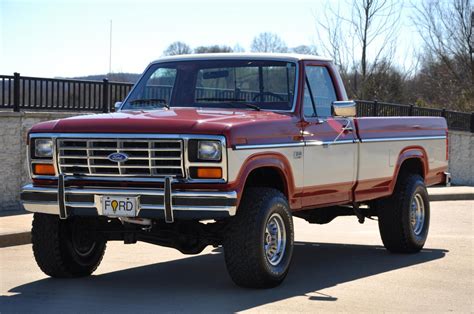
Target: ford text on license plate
119,206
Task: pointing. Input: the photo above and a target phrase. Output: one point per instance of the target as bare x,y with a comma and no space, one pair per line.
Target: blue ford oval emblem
118,157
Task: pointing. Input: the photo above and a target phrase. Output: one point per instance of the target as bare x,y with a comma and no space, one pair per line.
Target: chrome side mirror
345,108
117,105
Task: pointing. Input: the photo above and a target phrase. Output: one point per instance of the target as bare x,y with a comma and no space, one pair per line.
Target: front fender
273,160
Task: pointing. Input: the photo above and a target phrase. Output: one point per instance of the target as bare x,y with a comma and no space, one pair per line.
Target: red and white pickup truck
224,149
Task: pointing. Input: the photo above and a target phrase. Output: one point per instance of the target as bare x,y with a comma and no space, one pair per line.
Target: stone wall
461,157
14,127
14,172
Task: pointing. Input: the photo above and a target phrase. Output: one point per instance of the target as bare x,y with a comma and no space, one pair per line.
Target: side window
322,89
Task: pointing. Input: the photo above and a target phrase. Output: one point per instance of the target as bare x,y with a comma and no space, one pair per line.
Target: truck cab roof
289,57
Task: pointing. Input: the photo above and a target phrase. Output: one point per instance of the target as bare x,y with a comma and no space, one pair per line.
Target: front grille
155,158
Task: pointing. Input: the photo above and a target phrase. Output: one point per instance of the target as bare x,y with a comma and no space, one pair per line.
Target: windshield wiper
161,101
255,107
231,101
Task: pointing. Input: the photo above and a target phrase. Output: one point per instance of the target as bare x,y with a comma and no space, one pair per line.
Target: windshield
253,85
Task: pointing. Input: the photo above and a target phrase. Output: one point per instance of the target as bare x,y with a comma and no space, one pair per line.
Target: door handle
306,133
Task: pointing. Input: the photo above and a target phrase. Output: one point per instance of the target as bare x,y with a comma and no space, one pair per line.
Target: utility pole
110,49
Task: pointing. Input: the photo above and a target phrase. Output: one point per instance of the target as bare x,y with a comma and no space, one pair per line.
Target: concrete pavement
340,266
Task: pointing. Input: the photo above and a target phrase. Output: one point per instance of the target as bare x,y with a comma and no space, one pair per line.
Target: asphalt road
336,267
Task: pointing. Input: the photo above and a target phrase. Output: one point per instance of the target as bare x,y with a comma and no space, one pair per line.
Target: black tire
244,251
400,230
66,248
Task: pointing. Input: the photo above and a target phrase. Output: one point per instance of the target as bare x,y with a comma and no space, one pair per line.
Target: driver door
329,152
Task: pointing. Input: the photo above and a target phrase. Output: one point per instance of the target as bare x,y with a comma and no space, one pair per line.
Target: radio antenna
110,48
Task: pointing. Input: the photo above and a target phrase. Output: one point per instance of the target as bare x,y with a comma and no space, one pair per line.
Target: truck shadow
201,284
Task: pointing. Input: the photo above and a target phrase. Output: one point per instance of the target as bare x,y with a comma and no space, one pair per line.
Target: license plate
119,206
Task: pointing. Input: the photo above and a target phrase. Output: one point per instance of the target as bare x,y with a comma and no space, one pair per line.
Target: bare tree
447,29
268,42
360,40
386,82
375,20
304,49
212,49
177,48
331,30
238,48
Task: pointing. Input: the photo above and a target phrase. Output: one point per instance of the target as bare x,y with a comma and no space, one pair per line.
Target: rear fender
412,152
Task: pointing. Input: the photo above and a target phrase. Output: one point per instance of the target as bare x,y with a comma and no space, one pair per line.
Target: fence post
410,111
16,92
374,109
443,113
105,95
472,122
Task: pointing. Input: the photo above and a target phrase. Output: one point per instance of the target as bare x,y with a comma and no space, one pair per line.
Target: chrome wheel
275,239
417,214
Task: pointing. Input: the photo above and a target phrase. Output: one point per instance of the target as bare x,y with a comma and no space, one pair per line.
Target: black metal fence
34,93
461,121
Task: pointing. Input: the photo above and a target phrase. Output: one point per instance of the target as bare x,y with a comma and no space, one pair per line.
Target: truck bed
385,142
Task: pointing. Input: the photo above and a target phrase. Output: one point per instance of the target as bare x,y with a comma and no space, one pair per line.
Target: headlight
209,150
43,148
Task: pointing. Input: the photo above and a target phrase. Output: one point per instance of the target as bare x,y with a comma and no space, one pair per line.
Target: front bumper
154,203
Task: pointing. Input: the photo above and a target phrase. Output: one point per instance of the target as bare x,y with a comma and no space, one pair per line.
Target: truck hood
239,126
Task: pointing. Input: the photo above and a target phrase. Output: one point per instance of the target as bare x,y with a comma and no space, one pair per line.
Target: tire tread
393,223
49,254
240,240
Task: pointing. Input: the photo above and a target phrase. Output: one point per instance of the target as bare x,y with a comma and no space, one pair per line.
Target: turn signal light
44,169
209,173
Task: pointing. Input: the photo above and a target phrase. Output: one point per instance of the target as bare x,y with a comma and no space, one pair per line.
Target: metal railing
461,121
37,94
34,93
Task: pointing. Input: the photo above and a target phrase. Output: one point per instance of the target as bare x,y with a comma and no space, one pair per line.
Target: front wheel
404,218
66,248
258,247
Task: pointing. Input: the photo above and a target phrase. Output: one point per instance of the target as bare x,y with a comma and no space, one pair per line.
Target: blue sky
71,38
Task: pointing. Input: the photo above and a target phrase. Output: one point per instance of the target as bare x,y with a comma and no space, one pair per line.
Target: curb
452,197
13,239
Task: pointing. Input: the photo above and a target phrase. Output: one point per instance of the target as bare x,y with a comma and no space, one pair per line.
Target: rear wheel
66,248
259,244
404,217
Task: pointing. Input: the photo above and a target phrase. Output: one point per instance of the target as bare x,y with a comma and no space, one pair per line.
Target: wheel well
412,165
269,177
